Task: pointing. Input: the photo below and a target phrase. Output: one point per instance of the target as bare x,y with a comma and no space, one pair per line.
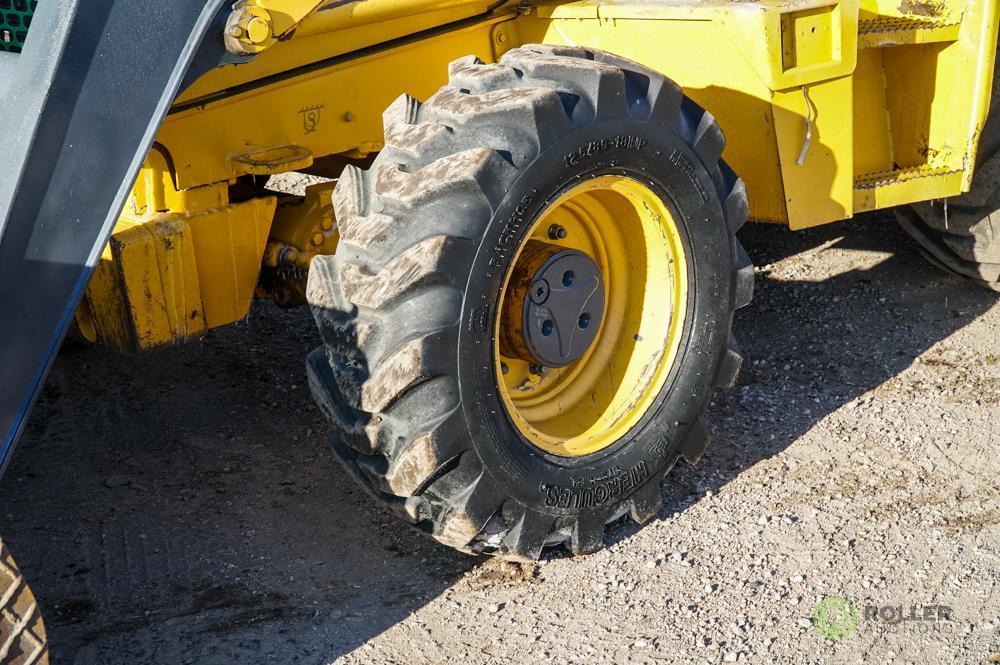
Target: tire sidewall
665,162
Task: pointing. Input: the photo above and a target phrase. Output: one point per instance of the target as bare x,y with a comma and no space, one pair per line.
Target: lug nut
504,368
557,232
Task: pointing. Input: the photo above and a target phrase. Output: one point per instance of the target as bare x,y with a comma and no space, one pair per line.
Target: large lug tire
407,306
22,634
961,234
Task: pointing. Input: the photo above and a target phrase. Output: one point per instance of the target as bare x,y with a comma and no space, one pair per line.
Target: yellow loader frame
829,108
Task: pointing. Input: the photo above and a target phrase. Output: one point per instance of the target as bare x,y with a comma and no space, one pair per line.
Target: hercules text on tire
531,301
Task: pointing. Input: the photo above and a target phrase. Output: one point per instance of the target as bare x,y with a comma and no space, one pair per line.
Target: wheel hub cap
563,310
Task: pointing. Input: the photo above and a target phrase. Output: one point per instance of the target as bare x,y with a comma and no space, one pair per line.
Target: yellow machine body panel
830,108
329,110
177,265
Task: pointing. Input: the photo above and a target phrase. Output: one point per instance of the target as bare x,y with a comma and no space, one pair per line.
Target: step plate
897,31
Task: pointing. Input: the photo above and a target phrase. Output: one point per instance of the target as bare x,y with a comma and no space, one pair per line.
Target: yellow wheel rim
585,407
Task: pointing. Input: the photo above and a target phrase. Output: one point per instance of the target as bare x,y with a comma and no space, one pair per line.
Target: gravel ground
182,506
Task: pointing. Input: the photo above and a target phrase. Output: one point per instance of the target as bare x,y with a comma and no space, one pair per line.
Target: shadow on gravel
810,347
183,506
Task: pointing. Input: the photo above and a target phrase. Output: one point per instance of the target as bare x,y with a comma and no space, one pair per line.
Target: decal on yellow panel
169,278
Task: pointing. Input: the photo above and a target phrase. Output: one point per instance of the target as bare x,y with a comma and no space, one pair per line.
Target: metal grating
897,30
886,178
898,24
15,20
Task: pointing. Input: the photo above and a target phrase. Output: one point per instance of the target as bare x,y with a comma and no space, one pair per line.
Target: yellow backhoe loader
524,264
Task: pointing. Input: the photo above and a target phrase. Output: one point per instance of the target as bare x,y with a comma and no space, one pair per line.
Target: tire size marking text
590,148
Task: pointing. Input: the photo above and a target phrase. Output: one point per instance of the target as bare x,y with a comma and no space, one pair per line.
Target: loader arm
79,107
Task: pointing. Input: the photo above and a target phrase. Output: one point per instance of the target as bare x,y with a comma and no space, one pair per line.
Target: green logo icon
834,618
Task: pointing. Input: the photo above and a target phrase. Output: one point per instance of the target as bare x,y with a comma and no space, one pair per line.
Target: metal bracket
255,25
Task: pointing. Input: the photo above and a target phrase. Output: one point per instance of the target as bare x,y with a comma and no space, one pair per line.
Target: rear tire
22,634
407,305
961,234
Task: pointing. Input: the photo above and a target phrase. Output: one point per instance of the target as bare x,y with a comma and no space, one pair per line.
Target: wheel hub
572,389
562,296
